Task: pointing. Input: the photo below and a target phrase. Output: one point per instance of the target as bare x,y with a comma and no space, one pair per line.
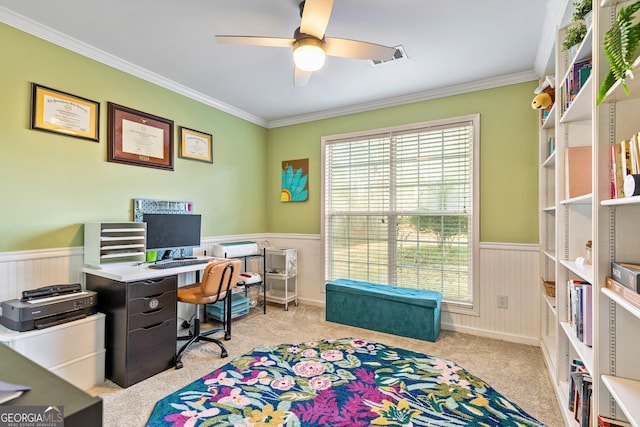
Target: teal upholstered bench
400,311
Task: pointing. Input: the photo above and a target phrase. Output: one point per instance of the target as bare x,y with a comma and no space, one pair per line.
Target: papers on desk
10,391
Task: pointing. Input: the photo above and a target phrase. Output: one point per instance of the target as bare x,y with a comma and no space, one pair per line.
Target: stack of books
574,82
626,282
610,422
580,393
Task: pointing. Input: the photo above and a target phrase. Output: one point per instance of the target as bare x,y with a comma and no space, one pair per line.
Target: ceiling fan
310,44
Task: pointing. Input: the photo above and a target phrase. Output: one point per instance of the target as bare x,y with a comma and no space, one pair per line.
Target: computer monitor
172,231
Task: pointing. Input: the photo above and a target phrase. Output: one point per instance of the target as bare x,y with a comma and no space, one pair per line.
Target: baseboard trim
533,341
519,339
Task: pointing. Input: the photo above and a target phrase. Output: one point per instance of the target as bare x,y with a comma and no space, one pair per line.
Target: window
400,207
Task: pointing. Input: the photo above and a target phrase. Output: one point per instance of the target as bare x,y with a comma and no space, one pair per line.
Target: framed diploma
196,145
63,113
139,139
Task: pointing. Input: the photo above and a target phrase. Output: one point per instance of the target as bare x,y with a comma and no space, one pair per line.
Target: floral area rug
345,382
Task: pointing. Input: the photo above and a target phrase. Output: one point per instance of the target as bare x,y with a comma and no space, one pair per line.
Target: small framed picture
139,139
195,145
64,114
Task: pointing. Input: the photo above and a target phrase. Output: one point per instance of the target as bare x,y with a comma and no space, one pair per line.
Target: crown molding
46,33
443,92
556,16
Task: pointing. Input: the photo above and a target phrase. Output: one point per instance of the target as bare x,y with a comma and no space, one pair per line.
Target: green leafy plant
620,46
574,35
582,7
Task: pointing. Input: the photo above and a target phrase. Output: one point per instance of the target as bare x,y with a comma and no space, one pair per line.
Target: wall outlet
503,301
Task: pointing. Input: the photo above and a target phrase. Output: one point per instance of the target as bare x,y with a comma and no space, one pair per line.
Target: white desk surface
131,272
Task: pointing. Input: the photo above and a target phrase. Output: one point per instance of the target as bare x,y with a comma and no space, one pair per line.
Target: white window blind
398,207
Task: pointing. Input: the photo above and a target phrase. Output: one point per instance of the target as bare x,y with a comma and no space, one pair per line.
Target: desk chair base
196,336
217,281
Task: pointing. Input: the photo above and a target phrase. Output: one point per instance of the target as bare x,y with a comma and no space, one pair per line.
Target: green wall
51,184
508,159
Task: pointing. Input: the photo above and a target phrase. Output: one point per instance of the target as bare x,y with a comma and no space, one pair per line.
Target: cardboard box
578,171
626,274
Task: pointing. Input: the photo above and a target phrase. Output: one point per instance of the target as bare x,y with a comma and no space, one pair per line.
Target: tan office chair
218,279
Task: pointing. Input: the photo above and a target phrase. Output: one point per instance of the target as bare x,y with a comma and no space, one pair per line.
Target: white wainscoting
505,269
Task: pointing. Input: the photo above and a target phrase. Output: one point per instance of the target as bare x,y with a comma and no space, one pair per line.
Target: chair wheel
227,336
179,365
224,354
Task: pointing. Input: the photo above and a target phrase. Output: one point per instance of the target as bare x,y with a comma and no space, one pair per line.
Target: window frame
471,308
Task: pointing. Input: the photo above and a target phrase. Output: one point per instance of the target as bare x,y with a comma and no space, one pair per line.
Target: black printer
48,306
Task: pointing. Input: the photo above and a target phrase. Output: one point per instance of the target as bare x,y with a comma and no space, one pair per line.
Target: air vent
398,55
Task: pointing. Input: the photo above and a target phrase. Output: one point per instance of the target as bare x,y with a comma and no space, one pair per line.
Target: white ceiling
451,45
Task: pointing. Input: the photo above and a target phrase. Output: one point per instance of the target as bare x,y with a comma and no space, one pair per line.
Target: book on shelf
572,301
610,422
578,171
544,115
586,399
580,310
625,150
617,176
580,72
576,366
580,393
627,274
573,83
625,293
586,296
633,149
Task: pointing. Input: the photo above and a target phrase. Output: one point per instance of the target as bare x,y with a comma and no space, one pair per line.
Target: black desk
48,389
141,324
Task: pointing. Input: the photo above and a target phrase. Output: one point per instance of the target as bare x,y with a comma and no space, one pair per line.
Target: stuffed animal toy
543,101
545,94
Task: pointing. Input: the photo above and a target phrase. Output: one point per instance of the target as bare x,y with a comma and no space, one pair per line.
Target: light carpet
515,370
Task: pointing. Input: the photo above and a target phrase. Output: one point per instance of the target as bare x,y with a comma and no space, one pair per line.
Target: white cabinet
74,351
112,242
281,275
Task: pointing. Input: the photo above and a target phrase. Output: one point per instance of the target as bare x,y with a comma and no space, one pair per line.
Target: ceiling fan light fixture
308,54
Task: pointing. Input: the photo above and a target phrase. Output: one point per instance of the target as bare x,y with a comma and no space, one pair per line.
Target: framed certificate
196,145
63,113
138,138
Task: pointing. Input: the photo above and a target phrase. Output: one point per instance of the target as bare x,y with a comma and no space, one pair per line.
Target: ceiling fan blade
315,17
256,41
357,49
301,77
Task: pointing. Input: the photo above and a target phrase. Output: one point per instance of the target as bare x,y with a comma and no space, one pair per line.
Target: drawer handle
154,281
158,310
153,326
154,296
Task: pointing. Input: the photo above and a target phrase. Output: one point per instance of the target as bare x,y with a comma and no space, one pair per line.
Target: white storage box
84,372
235,249
74,350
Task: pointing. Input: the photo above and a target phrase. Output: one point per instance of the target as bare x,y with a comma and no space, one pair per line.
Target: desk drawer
143,320
145,288
151,303
150,350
